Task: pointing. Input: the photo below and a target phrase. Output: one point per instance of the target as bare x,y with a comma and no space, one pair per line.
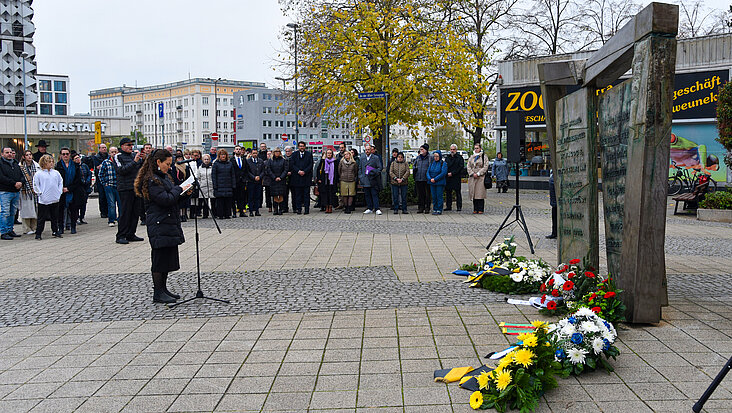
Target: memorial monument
632,124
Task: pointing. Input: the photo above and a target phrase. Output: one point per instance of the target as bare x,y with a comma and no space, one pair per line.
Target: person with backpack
477,168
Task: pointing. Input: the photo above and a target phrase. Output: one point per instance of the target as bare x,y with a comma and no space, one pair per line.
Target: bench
691,200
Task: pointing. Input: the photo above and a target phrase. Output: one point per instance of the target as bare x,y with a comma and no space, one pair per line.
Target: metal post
386,131
25,107
155,112
293,26
162,124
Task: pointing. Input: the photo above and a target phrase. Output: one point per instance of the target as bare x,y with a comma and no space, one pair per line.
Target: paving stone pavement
329,312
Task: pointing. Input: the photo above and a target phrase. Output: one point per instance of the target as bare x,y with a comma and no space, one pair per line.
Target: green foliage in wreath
504,284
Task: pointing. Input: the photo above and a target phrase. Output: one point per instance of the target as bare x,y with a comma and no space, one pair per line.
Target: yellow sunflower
483,380
503,379
524,357
476,400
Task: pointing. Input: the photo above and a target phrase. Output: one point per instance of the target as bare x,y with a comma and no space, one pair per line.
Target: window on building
226,113
185,102
204,100
59,86
226,101
60,97
264,136
61,110
46,97
251,97
218,113
205,112
185,125
218,125
46,109
264,123
44,85
205,125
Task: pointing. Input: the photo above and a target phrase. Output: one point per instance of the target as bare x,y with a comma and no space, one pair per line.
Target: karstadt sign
68,127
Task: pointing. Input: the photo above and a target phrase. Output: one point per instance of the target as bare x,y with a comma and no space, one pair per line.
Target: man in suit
370,177
255,172
301,166
455,166
240,174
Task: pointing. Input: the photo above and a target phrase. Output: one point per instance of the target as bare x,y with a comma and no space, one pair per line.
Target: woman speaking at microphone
155,186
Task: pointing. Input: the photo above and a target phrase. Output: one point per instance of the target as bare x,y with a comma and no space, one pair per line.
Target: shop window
61,110
59,86
46,109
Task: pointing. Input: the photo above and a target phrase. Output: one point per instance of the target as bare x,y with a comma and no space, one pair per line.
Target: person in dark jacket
301,167
162,200
553,203
455,168
420,165
240,173
224,181
11,181
97,160
327,177
128,164
399,179
86,167
276,172
73,191
499,170
42,147
290,190
255,174
369,174
436,174
348,177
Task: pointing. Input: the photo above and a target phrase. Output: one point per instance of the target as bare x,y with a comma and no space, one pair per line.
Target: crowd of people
40,188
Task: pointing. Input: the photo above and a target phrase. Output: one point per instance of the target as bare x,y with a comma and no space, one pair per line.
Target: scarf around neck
330,169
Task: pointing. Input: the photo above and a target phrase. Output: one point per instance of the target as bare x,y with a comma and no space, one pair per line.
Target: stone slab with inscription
614,128
576,178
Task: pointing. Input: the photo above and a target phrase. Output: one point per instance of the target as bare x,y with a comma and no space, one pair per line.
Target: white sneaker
30,232
378,212
111,224
368,211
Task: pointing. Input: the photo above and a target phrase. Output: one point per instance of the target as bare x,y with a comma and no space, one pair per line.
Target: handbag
27,207
487,179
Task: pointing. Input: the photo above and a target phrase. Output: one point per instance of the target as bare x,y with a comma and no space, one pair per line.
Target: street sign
372,95
160,110
284,136
367,139
97,132
215,136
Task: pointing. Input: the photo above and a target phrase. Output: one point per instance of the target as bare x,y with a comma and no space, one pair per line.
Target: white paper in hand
187,184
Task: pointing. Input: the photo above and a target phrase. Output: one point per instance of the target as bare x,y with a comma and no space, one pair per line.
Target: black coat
305,164
162,217
240,174
75,186
223,178
455,165
277,168
255,169
127,170
321,177
10,174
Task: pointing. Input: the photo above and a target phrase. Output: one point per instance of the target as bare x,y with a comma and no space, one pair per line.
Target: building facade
192,110
703,64
17,57
265,115
53,95
74,132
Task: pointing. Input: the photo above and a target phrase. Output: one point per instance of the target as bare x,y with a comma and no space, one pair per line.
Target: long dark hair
147,172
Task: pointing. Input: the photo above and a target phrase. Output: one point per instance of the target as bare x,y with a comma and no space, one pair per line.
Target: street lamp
25,107
294,27
284,113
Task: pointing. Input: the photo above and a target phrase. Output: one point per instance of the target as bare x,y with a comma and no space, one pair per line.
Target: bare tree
696,19
601,19
545,27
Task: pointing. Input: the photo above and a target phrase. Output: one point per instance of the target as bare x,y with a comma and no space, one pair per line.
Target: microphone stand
519,217
712,387
199,293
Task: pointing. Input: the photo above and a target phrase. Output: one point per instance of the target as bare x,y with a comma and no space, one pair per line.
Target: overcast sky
106,43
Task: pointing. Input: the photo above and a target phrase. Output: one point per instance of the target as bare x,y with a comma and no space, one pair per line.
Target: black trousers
72,211
240,198
423,196
328,195
82,206
453,186
554,220
47,213
254,191
223,207
479,205
267,197
103,209
301,198
128,214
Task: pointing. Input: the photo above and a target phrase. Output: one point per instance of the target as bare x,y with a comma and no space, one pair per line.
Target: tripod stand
708,392
519,217
199,293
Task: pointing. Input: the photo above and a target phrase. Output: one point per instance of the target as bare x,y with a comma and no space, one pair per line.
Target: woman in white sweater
48,184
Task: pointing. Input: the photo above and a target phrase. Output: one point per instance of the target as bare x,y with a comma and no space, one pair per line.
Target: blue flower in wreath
559,354
606,347
572,320
490,264
607,325
577,338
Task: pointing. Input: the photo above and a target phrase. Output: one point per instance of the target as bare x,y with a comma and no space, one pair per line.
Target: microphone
185,161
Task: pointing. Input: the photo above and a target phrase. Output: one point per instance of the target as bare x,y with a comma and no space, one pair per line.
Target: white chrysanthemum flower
517,276
608,336
568,329
597,345
507,253
513,244
576,356
583,312
589,327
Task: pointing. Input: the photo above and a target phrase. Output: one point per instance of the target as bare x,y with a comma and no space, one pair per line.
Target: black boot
159,295
165,287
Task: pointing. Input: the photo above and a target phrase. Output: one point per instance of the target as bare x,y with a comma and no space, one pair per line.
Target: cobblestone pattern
127,296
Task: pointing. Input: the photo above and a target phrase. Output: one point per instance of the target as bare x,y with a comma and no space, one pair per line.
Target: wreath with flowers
523,275
522,376
583,341
605,302
565,286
